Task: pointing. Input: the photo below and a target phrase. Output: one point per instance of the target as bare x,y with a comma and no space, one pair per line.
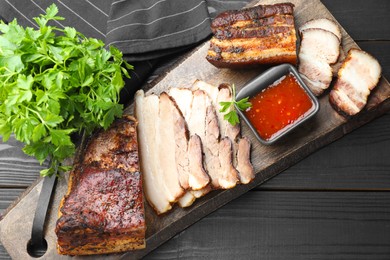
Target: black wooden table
335,204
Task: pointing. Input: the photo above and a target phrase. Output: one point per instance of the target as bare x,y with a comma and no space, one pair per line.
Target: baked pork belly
103,210
263,34
318,50
358,75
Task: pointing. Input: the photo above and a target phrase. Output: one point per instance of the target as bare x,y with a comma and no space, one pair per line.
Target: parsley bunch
55,82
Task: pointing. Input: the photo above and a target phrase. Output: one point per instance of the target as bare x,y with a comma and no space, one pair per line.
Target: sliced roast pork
183,98
315,73
320,44
171,140
146,111
319,49
202,120
358,75
322,23
170,159
217,95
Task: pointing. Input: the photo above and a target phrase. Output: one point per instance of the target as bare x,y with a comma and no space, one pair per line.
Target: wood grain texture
289,225
16,168
7,196
306,178
358,161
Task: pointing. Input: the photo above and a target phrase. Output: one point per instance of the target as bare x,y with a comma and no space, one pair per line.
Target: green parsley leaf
228,107
55,82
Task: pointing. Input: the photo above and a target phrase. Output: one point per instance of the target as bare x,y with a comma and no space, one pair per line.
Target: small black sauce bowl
266,79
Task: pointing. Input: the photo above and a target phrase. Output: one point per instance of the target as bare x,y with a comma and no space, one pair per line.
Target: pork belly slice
322,23
217,95
263,34
358,75
244,165
183,98
103,210
147,111
171,139
202,120
319,48
186,200
320,45
197,178
316,74
218,154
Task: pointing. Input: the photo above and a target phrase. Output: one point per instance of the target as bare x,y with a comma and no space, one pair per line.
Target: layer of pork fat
358,75
146,112
217,95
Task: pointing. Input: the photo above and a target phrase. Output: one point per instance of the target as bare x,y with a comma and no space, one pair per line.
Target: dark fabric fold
146,31
155,28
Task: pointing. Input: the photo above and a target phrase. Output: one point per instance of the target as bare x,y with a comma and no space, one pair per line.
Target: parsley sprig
55,82
228,107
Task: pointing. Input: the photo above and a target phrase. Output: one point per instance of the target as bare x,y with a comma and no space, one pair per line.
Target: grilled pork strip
103,211
259,35
358,75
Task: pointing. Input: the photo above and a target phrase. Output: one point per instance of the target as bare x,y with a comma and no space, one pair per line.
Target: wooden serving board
268,161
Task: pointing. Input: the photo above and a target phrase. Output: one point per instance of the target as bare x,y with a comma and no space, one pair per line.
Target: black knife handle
37,245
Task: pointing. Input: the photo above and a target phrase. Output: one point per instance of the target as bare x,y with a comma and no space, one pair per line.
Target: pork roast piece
319,49
322,23
171,160
147,111
258,35
187,148
241,163
103,211
358,75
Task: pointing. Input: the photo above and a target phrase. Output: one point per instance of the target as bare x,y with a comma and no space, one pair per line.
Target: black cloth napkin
146,31
151,29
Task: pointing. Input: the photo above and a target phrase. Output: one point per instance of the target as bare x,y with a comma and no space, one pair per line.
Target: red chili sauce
278,106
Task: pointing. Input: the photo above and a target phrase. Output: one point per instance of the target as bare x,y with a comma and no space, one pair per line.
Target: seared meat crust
103,211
